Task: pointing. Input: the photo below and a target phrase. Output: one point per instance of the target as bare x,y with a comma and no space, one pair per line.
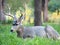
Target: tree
2,17
54,5
45,10
37,12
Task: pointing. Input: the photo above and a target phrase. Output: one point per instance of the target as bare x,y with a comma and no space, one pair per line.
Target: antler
9,14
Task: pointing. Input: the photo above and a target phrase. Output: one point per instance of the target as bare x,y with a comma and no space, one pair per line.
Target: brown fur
20,31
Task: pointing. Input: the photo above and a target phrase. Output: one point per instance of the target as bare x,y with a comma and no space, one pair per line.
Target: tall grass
8,38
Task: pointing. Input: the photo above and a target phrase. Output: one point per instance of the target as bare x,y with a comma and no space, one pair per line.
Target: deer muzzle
11,30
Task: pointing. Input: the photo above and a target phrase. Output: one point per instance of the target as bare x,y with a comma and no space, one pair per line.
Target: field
8,38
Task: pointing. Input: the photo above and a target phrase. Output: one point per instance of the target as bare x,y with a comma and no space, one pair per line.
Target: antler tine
22,15
8,14
21,18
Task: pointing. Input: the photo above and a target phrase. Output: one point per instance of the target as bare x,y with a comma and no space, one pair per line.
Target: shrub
6,22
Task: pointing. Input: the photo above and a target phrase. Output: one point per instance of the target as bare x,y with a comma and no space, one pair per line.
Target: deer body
34,31
52,32
31,31
38,31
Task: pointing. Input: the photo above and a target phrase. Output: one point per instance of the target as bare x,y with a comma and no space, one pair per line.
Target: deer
32,31
27,32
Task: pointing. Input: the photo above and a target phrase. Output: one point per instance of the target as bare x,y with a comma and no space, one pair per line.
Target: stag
31,32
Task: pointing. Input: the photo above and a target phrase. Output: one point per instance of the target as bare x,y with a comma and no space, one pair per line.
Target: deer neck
20,31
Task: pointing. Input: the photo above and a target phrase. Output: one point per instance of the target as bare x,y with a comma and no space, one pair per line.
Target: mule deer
31,32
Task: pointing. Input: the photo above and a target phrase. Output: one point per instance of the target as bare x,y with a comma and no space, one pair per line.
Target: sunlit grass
54,17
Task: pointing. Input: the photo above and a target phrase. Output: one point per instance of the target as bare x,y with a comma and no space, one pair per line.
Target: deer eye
28,36
15,23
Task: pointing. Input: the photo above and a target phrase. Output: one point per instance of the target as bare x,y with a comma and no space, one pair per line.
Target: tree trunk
37,12
2,16
45,11
58,11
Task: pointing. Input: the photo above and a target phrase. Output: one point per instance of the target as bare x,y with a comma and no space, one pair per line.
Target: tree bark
37,12
58,12
45,11
2,16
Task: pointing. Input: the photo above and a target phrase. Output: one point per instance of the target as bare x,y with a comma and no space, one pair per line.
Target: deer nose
11,30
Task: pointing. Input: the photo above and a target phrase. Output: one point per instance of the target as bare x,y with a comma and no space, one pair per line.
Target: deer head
17,24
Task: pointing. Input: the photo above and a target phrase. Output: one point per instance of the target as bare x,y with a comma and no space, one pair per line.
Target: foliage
8,38
6,22
54,5
14,4
17,4
31,3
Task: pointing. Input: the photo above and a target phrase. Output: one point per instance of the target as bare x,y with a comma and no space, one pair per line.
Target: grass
8,38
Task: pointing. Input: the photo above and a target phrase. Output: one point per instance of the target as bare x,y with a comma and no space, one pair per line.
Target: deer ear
21,18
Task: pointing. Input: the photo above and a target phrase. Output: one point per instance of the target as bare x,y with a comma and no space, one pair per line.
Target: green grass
8,38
